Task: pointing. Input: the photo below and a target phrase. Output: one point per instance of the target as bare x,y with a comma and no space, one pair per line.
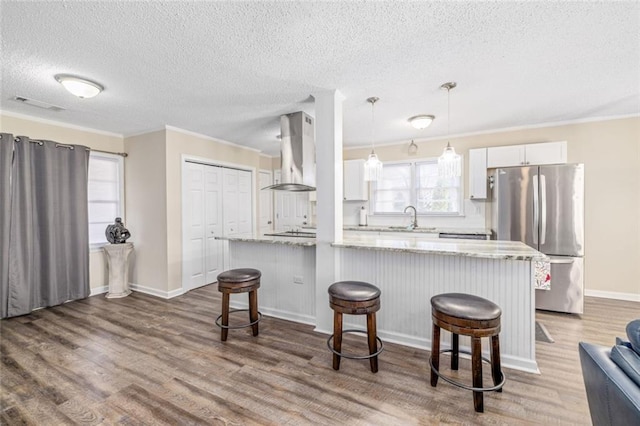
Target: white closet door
301,209
213,222
194,250
266,204
285,210
245,206
230,201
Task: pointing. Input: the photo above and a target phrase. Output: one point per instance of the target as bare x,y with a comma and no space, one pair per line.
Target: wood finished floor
144,360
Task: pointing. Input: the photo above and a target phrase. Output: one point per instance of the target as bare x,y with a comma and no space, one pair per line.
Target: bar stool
245,280
467,315
354,298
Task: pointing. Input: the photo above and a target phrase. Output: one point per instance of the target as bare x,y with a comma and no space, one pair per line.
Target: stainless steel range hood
297,154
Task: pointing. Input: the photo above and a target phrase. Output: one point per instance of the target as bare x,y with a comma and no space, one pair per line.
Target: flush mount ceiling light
373,166
80,87
421,121
449,163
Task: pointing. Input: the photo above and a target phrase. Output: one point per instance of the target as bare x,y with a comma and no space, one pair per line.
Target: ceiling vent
38,104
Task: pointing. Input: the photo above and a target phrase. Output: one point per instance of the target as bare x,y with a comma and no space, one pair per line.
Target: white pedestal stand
118,262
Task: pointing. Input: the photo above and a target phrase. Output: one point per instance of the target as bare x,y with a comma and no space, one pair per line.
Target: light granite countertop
490,249
290,241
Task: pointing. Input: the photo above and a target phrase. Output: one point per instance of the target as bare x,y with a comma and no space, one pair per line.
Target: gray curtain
48,232
6,155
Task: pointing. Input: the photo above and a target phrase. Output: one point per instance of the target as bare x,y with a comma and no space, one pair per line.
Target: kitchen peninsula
409,271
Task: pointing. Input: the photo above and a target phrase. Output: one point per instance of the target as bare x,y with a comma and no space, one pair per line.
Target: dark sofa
613,392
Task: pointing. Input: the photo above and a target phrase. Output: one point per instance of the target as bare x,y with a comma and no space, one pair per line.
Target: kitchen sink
302,234
409,228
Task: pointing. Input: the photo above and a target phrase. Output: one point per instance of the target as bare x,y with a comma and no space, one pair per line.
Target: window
106,200
419,185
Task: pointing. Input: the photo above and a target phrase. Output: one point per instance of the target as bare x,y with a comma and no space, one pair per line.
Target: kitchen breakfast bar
408,271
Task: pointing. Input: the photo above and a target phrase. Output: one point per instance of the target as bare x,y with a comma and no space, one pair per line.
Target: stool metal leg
454,351
476,369
253,310
337,338
224,332
496,370
435,353
373,343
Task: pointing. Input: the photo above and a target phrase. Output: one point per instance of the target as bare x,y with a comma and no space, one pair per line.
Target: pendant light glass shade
373,168
373,165
449,163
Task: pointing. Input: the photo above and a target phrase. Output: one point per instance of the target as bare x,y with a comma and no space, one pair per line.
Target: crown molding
59,124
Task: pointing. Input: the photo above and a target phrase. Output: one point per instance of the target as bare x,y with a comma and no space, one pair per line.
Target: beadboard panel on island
409,280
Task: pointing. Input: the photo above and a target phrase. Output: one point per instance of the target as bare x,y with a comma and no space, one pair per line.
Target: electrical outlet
297,279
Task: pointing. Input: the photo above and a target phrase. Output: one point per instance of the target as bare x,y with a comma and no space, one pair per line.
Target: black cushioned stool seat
354,298
243,280
473,316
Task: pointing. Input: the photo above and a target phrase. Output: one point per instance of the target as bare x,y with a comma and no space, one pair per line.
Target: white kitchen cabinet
527,155
478,174
546,153
355,187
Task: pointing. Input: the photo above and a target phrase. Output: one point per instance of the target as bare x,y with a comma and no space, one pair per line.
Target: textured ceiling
229,69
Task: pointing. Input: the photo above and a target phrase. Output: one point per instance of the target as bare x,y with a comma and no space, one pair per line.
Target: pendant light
373,166
449,163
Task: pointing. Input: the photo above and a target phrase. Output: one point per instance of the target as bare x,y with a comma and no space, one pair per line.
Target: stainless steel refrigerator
543,206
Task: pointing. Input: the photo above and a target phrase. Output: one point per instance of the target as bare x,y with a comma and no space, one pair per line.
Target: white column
118,263
329,199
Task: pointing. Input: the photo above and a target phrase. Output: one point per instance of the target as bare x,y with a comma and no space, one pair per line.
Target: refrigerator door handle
543,209
536,209
562,261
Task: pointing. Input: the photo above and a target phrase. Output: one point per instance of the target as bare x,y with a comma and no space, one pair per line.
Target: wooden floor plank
143,360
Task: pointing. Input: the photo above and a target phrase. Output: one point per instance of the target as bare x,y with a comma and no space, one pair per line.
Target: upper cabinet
355,187
527,155
478,174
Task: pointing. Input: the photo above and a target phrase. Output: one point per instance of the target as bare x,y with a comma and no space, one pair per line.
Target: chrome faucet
414,224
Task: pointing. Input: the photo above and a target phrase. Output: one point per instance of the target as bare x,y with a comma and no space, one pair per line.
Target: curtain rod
121,154
61,145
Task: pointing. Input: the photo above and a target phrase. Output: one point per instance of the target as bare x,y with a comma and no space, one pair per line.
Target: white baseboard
276,313
631,297
155,292
508,361
99,290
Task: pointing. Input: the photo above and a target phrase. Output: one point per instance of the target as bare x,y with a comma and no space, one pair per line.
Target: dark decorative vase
117,233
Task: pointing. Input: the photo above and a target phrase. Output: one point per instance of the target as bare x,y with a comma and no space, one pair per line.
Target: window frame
119,160
413,194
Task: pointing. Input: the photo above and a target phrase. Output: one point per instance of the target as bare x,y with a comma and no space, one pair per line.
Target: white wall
146,210
181,143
